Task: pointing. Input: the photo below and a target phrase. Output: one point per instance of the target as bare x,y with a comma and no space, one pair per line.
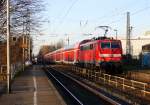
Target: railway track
80,93
130,90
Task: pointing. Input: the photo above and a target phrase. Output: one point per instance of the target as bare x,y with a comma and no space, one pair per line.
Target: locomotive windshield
105,45
110,45
115,45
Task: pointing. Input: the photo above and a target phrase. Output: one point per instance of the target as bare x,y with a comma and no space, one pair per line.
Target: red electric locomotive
103,52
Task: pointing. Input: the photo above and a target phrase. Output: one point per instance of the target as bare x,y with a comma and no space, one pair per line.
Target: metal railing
115,81
14,70
3,73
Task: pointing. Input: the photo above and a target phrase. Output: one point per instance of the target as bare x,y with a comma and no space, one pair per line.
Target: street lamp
8,46
67,39
116,31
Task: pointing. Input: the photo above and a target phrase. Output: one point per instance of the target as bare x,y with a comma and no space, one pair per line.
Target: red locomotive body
101,52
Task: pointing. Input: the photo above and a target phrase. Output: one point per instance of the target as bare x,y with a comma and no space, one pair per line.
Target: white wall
136,45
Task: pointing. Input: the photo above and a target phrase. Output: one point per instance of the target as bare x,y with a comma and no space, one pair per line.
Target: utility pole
29,49
128,37
23,43
8,49
28,33
23,55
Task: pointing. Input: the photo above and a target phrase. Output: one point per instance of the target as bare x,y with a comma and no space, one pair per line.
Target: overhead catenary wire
73,3
132,14
84,25
66,14
122,14
140,10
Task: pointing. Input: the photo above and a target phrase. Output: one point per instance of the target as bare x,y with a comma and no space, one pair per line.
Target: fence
15,68
140,88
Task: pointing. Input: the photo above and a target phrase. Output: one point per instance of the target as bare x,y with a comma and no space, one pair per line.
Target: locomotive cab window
86,47
91,46
105,45
81,48
115,45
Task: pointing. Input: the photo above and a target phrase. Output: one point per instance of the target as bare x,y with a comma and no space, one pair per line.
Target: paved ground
32,87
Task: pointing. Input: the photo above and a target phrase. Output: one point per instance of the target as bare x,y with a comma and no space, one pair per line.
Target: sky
78,18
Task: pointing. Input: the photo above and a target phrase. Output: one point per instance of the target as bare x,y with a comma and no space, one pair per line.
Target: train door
95,46
81,55
92,55
63,57
76,51
96,54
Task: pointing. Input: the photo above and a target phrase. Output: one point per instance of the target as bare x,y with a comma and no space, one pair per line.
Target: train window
84,47
91,46
105,45
87,47
115,45
81,48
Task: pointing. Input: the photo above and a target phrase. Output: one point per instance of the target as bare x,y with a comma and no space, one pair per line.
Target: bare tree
24,16
2,16
44,49
60,44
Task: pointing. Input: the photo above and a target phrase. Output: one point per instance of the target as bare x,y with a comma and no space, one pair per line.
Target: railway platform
32,87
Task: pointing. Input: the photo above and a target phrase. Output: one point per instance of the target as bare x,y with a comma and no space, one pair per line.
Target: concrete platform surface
32,87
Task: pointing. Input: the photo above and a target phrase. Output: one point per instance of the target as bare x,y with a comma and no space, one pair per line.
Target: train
102,52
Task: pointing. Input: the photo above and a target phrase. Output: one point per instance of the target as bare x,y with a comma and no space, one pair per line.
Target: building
19,53
136,45
146,55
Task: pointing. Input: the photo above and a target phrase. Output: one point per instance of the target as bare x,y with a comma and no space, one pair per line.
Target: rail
72,95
